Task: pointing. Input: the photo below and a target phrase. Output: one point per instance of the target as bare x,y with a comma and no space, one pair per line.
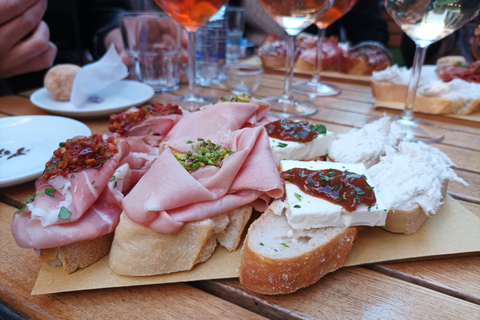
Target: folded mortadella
168,195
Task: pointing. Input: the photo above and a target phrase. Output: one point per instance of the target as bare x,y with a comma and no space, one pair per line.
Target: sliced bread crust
277,259
140,251
79,254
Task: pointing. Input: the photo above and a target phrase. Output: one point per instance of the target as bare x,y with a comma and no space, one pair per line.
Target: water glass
235,27
152,48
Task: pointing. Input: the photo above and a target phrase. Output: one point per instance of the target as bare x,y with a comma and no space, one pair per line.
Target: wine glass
293,16
426,21
314,86
191,14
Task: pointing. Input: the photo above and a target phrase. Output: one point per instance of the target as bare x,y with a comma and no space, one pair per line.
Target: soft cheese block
305,211
293,150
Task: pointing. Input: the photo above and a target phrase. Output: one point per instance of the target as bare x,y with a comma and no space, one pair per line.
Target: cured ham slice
100,218
469,72
149,122
168,195
73,203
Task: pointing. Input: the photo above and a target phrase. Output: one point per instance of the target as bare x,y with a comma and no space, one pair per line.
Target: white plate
39,136
117,97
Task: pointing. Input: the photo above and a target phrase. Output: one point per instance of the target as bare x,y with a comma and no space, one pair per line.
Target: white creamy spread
413,175
366,144
430,85
292,150
313,212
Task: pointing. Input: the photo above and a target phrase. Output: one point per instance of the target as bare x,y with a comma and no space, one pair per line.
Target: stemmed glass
293,16
426,21
191,14
314,86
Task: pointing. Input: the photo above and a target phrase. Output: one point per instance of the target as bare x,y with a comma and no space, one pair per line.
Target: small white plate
116,97
39,136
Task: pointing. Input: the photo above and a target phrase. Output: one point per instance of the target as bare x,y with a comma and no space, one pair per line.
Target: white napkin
96,76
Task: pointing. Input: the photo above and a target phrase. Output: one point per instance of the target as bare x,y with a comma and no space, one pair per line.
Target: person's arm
24,38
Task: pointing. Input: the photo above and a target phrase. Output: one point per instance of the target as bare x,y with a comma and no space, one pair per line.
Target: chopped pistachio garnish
237,98
206,153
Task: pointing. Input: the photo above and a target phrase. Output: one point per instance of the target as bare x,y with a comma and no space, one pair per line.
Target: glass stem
317,66
407,113
287,95
191,73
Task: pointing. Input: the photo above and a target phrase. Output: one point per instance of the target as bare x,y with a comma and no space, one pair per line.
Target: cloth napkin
96,76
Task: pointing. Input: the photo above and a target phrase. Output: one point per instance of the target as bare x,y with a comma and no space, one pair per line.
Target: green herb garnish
64,213
282,145
50,191
297,206
299,197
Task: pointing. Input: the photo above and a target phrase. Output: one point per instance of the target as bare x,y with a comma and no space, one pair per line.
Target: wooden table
447,288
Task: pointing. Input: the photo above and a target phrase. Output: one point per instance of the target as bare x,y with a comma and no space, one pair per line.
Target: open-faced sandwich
443,89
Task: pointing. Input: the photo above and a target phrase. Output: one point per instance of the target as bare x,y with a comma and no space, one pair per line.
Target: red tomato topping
80,153
122,122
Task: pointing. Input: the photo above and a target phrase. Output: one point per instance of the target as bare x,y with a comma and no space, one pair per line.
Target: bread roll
59,81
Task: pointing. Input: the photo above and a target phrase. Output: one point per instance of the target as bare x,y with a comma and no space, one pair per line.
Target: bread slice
304,66
79,254
408,220
392,92
140,251
274,62
277,259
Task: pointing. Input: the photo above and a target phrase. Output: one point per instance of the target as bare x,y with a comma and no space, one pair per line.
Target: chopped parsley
285,245
282,145
112,178
64,213
299,197
50,191
297,206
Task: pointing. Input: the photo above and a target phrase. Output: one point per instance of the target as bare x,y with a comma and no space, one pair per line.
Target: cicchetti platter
164,179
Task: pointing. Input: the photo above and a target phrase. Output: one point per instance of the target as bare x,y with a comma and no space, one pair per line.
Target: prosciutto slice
100,218
469,72
91,196
168,195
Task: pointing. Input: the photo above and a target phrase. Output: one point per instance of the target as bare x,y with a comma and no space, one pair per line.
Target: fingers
32,54
14,30
10,9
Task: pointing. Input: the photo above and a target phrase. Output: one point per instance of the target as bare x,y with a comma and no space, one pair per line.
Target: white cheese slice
292,150
313,212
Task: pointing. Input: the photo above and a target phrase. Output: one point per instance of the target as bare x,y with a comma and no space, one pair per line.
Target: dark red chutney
122,122
80,153
344,188
299,131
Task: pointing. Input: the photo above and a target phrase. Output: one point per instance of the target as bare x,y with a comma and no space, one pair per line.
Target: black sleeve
97,20
363,22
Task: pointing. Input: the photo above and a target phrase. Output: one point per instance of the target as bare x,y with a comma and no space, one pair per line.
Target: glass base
315,88
191,102
418,130
290,108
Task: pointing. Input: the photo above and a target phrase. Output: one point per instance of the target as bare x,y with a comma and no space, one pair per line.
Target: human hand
24,37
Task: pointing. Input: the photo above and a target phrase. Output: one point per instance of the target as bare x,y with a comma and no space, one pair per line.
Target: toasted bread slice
277,259
140,251
274,62
79,254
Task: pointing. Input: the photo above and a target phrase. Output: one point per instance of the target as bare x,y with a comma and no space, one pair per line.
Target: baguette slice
140,251
79,254
408,220
392,92
277,259
274,62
